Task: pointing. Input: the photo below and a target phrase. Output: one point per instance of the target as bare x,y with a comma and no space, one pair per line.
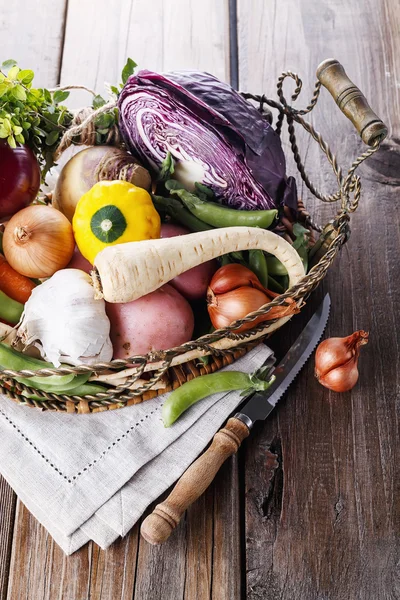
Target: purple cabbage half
214,135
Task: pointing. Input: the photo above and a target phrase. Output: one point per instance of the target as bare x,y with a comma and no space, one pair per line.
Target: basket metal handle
351,101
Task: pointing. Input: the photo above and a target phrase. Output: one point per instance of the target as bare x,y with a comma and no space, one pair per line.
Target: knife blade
261,404
157,526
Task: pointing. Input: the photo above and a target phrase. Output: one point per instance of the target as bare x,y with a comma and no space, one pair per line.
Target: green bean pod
57,388
221,216
11,359
177,211
284,281
82,390
303,253
274,285
258,264
10,310
233,257
196,389
224,260
275,267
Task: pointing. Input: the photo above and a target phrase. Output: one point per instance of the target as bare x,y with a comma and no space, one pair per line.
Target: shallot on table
336,361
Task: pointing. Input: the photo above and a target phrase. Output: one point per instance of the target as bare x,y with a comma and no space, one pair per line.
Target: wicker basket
162,371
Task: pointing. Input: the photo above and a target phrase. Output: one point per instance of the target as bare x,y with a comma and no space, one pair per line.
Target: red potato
158,321
79,262
192,284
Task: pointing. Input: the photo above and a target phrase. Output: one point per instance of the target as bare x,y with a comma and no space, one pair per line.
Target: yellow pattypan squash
113,212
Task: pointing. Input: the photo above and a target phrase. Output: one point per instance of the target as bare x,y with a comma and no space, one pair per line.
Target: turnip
157,321
88,167
193,283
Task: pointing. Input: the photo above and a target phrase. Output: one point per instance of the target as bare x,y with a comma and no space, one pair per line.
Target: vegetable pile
190,226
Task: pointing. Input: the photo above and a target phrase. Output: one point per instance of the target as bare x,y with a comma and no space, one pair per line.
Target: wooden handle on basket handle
351,101
158,526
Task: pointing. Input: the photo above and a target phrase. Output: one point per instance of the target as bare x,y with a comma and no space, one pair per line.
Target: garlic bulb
65,322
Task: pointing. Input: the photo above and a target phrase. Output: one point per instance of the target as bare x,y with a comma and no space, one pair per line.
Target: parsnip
128,271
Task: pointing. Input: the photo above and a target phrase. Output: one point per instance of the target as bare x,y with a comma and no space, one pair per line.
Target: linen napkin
90,477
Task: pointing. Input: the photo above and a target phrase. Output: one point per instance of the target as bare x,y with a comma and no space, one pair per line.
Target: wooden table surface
310,508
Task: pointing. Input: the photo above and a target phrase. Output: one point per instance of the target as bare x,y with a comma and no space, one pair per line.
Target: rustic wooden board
7,513
32,34
322,501
41,570
158,34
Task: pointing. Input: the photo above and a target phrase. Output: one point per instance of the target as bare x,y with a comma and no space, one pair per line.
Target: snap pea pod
300,244
274,285
284,281
233,257
10,310
82,390
224,260
196,389
303,253
177,211
275,267
258,264
11,359
76,381
220,216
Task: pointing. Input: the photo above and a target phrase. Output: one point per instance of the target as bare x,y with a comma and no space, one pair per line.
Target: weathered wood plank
201,560
322,504
112,572
32,34
158,35
7,514
226,557
161,573
199,548
40,570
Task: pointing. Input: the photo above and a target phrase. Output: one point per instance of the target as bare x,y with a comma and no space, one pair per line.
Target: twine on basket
83,129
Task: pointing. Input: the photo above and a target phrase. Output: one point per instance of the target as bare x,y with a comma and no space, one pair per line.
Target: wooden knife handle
158,526
351,101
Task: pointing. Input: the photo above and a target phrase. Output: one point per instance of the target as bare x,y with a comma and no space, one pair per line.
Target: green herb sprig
36,116
104,122
31,116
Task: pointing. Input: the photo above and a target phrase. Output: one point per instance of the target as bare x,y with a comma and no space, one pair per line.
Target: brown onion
236,304
38,241
336,361
235,291
232,276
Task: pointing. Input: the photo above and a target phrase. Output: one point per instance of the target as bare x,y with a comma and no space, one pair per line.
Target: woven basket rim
161,361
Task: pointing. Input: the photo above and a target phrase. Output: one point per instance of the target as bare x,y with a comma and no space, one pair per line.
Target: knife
158,526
